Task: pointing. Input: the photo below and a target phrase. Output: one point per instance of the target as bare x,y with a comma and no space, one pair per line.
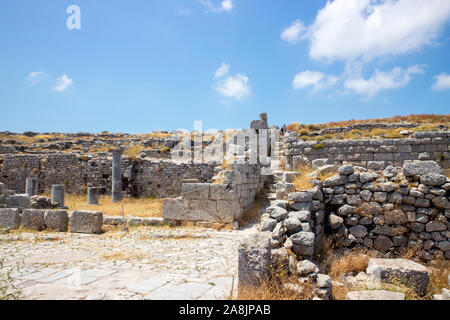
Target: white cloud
223,70
235,87
442,82
314,79
35,76
294,33
225,5
62,83
381,80
367,29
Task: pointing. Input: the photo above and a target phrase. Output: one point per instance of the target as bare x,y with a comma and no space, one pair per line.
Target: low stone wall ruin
143,178
222,202
372,154
389,211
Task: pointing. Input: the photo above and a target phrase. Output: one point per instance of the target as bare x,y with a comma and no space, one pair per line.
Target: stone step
272,196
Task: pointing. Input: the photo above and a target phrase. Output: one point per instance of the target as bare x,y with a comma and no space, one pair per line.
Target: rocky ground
144,263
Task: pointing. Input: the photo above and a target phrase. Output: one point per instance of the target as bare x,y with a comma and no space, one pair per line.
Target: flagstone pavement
151,263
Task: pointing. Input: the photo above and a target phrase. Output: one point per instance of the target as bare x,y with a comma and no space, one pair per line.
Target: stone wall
372,154
145,177
222,202
391,211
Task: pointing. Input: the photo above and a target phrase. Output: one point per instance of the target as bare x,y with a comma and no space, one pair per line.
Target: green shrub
318,146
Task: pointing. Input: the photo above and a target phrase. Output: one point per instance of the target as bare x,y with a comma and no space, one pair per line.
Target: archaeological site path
144,263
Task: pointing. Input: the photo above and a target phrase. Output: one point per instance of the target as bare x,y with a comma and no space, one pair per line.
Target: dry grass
144,207
353,261
118,256
447,172
301,181
439,271
425,122
153,135
413,118
133,151
275,289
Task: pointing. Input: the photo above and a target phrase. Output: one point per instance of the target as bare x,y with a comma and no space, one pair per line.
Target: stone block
222,192
394,271
433,179
228,210
383,156
86,222
18,201
375,295
258,124
419,168
56,220
303,243
9,218
195,191
254,257
299,197
113,220
200,210
33,219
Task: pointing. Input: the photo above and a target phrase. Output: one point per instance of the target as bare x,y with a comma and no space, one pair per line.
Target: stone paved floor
145,263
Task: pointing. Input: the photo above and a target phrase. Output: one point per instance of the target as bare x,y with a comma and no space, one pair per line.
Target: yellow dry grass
133,151
439,271
275,289
143,207
356,260
425,122
447,172
118,256
154,135
301,181
353,261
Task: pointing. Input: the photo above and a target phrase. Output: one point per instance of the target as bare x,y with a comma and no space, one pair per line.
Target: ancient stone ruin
387,195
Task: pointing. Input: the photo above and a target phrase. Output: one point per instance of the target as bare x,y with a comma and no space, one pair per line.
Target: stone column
116,176
92,196
254,255
31,186
58,192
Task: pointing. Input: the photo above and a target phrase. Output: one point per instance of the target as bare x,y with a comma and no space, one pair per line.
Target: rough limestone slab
9,218
403,271
228,211
254,255
375,295
56,220
114,221
198,191
418,168
199,210
33,219
222,192
86,222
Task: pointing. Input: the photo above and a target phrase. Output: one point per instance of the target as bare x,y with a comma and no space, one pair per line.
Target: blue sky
142,65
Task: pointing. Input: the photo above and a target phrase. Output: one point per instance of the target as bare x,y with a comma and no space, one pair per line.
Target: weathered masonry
222,202
372,154
145,177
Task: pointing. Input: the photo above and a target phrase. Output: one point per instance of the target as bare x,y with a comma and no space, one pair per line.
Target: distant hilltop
388,128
